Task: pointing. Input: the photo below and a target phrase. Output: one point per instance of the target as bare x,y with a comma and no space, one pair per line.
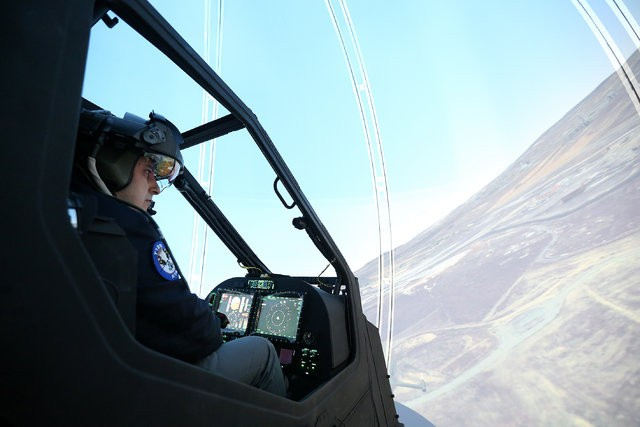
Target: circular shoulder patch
163,261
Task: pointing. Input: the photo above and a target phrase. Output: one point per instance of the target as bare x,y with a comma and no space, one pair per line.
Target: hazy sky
460,89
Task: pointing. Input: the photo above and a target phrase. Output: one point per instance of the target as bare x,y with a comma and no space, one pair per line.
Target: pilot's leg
250,360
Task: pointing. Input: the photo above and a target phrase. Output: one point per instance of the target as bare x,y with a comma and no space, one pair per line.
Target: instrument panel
306,324
275,316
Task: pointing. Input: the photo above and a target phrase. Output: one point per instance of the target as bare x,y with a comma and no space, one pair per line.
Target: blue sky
460,88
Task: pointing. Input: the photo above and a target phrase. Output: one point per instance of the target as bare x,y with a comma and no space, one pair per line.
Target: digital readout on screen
261,284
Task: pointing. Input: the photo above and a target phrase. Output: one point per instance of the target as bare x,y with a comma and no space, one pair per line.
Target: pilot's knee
262,345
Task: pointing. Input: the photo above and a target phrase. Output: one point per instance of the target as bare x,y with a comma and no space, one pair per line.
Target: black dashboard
306,324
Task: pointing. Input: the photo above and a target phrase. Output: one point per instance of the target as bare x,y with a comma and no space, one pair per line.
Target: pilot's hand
224,322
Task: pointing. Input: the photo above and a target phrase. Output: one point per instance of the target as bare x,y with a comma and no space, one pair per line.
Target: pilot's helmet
113,145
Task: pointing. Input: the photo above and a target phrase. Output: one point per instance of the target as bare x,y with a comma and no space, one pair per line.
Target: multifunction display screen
279,316
237,307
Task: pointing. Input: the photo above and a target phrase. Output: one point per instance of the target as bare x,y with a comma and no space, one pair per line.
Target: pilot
120,165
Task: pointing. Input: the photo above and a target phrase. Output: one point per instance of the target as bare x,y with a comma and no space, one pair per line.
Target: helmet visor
165,168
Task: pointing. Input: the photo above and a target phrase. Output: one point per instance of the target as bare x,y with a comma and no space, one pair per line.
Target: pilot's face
143,185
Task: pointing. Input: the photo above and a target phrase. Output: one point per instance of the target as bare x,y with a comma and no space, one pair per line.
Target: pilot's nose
154,188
